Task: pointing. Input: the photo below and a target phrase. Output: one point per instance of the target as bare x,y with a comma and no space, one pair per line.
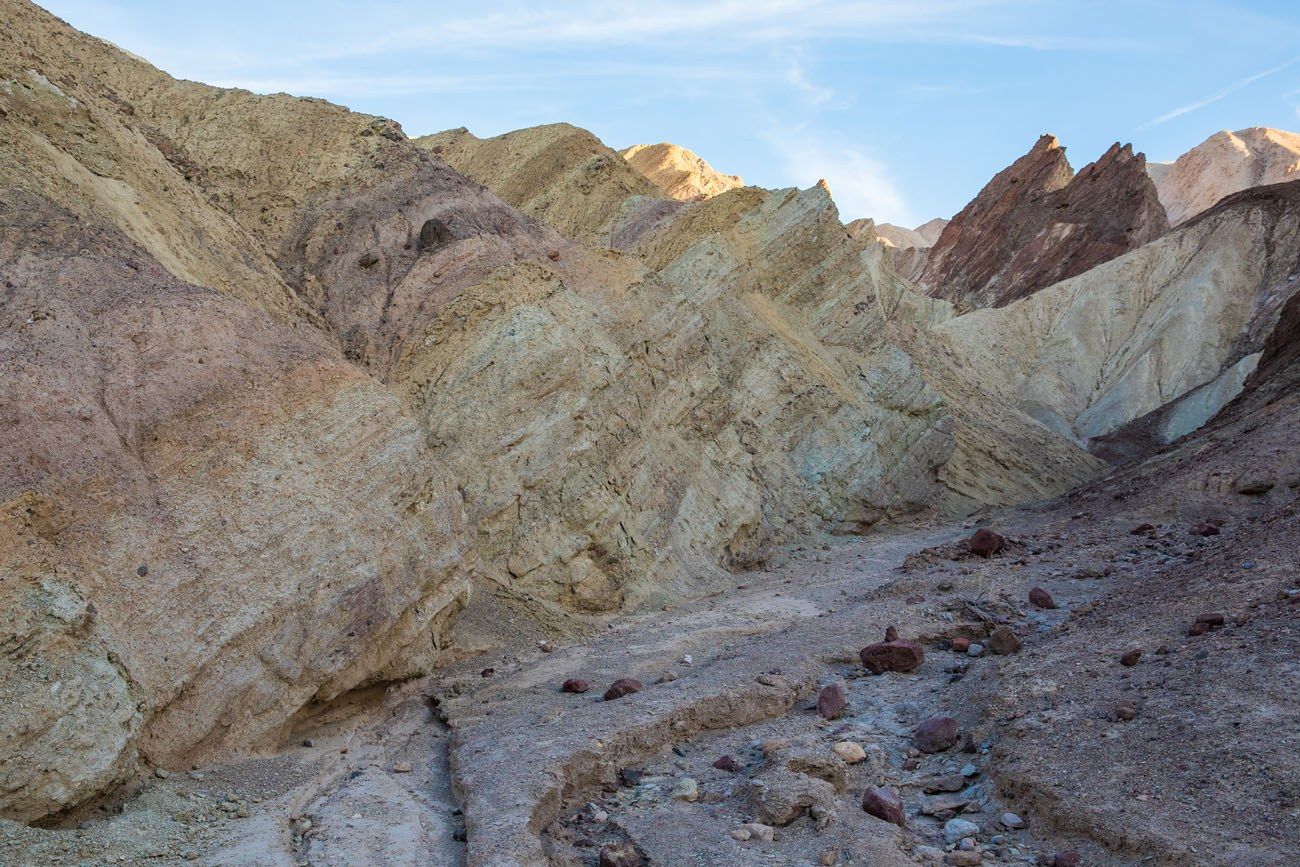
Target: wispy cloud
1221,93
859,181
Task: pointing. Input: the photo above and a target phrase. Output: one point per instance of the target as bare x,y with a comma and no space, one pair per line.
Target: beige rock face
678,172
1182,314
1225,163
908,248
233,517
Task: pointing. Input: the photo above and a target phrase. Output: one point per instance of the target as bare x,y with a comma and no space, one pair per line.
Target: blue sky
905,107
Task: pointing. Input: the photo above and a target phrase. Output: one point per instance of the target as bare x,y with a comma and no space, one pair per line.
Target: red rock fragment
1205,530
884,804
831,701
1131,658
1003,641
1066,859
1040,597
621,687
960,644
935,734
892,656
575,684
985,543
728,764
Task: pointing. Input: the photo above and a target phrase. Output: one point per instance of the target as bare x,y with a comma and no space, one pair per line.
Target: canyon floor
1116,763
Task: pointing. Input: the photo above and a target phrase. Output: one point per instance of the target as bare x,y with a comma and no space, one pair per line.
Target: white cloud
859,182
1218,94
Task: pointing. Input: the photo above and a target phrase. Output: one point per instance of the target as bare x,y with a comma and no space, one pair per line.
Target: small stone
741,834
619,855
891,633
1205,530
851,752
368,260
884,804
964,858
929,854
546,646
985,543
161,774
1125,712
402,768
976,649
935,734
772,745
308,742
687,789
945,783
728,764
892,656
829,857
1197,628
961,644
1011,821
1066,859
1131,658
1212,620
1255,484
575,684
553,255
955,830
630,776
1041,598
831,701
667,677
142,570
1142,529
621,687
759,831
1003,641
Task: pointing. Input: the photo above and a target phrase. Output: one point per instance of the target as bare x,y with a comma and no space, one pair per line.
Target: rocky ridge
679,173
1037,223
1225,163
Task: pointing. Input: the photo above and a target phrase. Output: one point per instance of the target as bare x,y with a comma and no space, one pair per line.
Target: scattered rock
402,768
884,804
621,687
1125,712
976,649
667,677
1205,530
851,752
1003,641
831,701
935,734
1011,821
575,684
829,857
759,831
728,764
964,858
368,260
1041,598
619,855
1142,530
961,644
955,830
1131,658
1066,859
1212,620
885,656
1259,483
944,806
433,233
740,834
687,789
553,255
891,633
985,543
944,783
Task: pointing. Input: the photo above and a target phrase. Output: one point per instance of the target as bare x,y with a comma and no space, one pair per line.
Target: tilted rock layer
1225,163
1037,223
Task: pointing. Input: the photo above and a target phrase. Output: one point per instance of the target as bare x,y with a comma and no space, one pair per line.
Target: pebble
886,656
945,783
1041,598
831,701
964,859
1011,821
929,853
829,857
975,649
985,542
575,684
1003,641
619,855
1131,658
957,829
961,644
1066,859
850,751
727,763
935,734
402,768
969,771
741,834
687,789
759,831
884,804
622,687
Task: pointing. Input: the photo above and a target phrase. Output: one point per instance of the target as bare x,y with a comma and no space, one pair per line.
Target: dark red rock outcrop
1037,223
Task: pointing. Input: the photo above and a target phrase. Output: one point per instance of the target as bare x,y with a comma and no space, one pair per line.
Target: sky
905,107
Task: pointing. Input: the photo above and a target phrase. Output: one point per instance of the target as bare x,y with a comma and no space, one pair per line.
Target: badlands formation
344,473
